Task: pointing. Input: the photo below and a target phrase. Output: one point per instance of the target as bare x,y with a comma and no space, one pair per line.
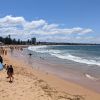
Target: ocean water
85,59
81,54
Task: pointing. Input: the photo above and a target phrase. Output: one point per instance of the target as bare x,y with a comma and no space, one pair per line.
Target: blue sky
51,20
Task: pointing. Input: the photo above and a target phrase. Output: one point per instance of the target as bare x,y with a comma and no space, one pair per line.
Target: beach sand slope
28,87
29,84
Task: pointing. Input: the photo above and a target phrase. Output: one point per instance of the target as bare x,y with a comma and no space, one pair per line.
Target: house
1,43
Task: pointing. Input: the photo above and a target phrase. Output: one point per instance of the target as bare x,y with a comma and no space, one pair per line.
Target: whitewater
84,55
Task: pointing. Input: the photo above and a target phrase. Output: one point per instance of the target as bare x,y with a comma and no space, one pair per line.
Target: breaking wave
63,55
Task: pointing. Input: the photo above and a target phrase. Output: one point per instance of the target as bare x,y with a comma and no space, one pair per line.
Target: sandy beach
33,84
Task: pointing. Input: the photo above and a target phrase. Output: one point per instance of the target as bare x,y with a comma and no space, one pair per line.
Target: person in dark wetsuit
10,72
1,60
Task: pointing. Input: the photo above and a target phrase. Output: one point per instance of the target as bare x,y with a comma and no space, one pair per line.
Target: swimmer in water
30,54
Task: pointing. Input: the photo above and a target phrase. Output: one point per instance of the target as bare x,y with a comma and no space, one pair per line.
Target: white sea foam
42,49
35,48
90,77
65,56
77,59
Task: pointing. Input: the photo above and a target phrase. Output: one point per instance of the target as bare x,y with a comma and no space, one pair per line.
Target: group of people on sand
9,69
3,51
16,48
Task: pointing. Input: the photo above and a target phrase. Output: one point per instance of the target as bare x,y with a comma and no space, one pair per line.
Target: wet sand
75,73
34,84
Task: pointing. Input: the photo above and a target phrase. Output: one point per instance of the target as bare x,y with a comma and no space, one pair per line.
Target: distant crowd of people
16,48
9,68
3,51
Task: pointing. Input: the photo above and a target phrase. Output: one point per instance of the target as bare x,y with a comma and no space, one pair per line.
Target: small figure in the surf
42,58
30,54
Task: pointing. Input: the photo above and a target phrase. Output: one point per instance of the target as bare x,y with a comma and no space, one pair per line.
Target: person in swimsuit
10,73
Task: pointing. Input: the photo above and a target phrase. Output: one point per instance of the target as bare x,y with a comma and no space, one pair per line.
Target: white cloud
19,26
9,21
76,30
34,24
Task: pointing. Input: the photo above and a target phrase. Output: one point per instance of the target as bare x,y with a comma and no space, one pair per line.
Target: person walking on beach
1,66
1,60
10,73
7,71
5,52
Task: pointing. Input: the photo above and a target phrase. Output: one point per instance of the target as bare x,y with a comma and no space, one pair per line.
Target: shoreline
70,71
79,73
52,80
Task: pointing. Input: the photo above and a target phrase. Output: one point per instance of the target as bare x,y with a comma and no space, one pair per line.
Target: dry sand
30,84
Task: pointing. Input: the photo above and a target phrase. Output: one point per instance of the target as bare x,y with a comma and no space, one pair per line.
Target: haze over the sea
75,21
